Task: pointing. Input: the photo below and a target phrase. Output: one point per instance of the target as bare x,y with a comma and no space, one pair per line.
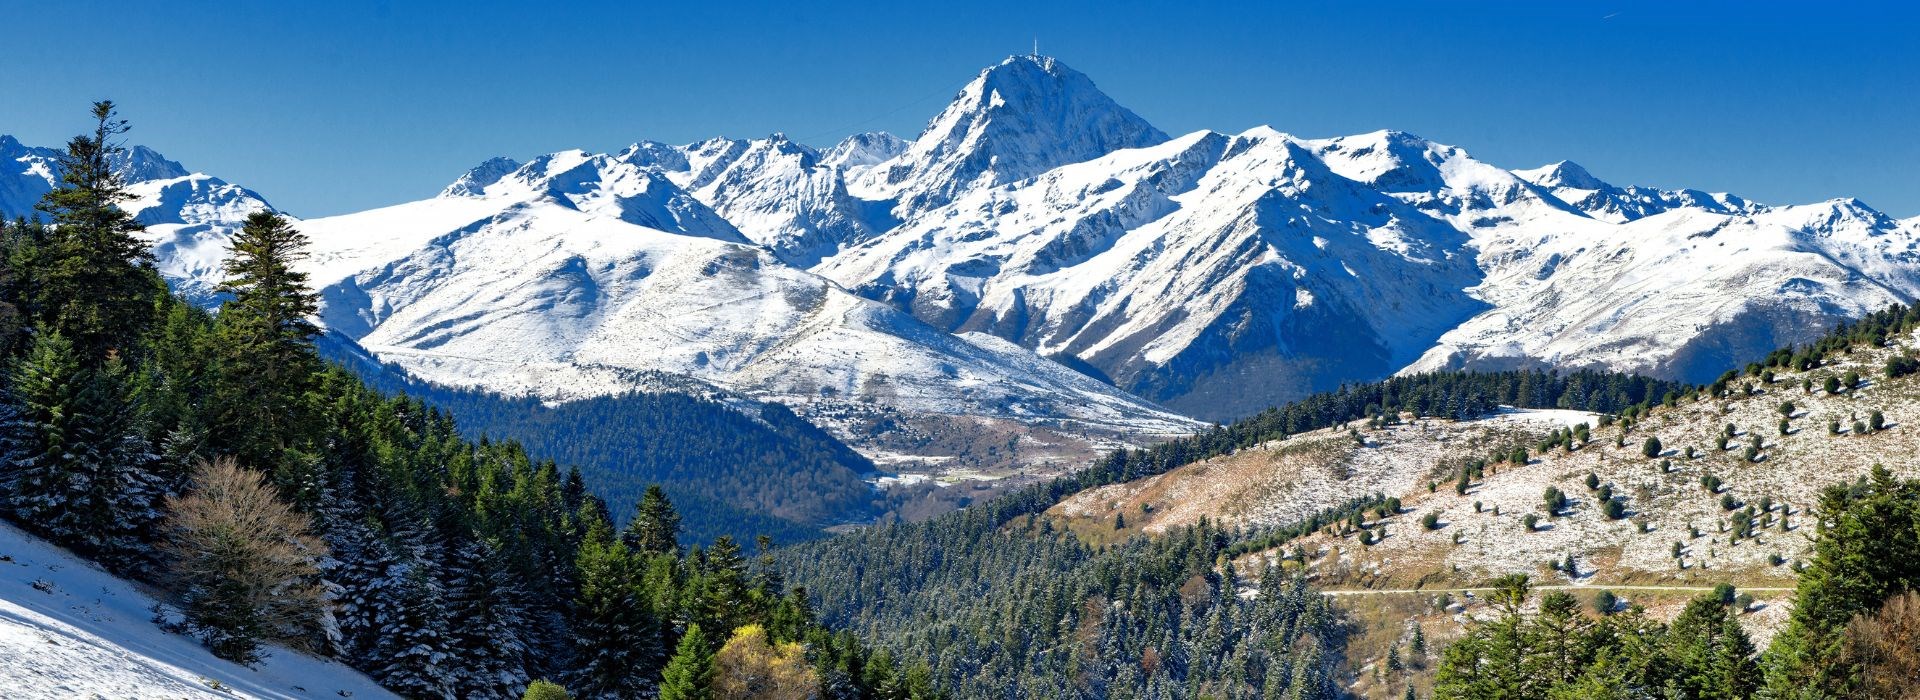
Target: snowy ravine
70,630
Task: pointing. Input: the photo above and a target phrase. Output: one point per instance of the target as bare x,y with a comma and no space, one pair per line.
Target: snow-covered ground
71,630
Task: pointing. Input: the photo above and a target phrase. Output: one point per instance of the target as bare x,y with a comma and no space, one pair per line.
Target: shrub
545,690
1833,427
1785,427
1604,602
1614,510
1852,380
1727,502
1832,385
1593,481
1555,501
1531,521
1901,365
1786,409
1859,428
1430,521
1650,448
1876,421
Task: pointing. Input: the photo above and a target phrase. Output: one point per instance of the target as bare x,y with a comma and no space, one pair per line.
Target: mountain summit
1028,115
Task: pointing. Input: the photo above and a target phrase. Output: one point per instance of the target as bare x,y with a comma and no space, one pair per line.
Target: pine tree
413,651
689,675
266,360
76,465
727,603
1867,549
616,636
655,528
489,619
97,283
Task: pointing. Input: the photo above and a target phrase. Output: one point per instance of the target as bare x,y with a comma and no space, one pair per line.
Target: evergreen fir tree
413,651
486,608
266,361
97,283
616,637
655,528
689,674
76,465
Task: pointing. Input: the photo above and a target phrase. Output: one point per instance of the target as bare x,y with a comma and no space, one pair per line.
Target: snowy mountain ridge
1213,273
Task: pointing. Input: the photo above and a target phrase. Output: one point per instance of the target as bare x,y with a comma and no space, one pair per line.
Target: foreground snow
70,630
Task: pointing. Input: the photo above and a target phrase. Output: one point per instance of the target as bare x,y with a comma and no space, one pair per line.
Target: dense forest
734,467
1002,605
277,498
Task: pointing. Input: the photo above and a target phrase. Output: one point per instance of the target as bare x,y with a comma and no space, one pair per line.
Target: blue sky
341,106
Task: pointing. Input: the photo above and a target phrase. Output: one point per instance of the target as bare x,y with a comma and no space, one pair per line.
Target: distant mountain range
1040,271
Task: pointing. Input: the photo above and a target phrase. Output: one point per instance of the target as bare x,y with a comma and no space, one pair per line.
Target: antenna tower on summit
1036,47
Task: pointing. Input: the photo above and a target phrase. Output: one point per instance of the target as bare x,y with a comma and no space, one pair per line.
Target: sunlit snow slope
70,630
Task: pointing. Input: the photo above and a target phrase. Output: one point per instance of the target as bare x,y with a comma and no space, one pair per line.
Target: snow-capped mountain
1214,273
189,216
580,274
1574,185
1219,274
1026,116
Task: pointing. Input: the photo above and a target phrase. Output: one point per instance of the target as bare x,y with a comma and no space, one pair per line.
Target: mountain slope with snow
581,275
1219,274
70,630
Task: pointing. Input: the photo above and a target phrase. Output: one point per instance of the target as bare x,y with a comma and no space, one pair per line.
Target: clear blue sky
340,106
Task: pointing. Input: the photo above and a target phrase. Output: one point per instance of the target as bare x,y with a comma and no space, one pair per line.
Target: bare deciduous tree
243,562
1887,646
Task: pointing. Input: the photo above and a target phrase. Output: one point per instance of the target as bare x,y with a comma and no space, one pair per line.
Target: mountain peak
1017,119
475,181
140,164
1565,173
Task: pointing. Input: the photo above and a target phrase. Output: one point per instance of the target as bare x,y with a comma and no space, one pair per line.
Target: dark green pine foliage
617,638
74,465
655,528
1867,548
415,656
1560,652
487,609
266,364
96,283
999,606
689,674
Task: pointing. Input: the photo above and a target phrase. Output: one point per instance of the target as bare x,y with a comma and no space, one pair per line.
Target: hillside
1695,516
1283,481
70,630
